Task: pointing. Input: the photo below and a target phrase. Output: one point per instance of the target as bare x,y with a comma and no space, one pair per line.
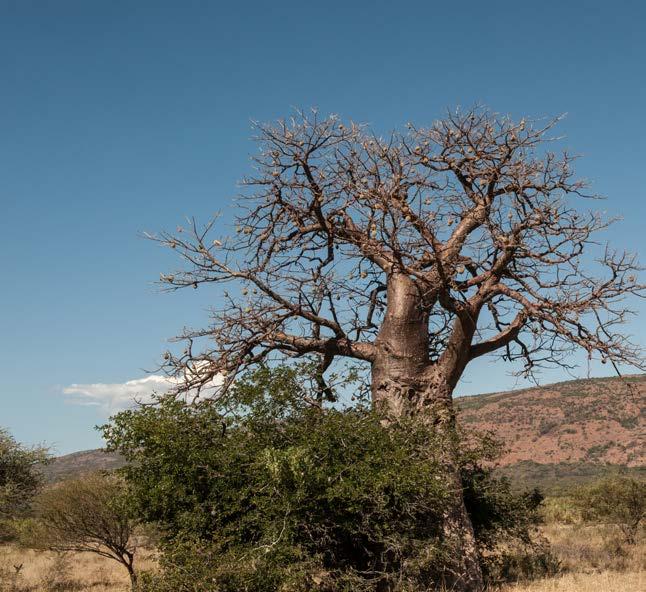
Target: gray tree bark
406,383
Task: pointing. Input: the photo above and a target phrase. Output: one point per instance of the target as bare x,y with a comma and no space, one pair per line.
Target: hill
596,421
555,436
77,463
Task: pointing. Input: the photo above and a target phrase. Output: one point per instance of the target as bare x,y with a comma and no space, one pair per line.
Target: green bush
561,510
20,480
617,500
522,561
264,492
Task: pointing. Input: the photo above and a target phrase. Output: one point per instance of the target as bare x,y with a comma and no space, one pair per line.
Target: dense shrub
276,494
20,479
617,500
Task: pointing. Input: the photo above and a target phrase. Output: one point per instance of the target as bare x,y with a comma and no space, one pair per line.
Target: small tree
88,514
616,500
19,477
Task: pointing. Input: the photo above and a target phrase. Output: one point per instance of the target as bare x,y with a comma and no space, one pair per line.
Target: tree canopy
20,478
618,500
467,226
413,253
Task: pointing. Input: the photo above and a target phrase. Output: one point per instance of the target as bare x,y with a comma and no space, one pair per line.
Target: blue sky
121,117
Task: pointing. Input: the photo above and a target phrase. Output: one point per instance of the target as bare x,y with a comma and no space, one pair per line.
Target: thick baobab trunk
457,527
402,349
404,383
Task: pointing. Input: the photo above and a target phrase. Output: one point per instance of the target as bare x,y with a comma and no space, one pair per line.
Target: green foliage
522,561
20,479
561,510
563,479
265,491
546,426
504,522
629,423
616,500
598,450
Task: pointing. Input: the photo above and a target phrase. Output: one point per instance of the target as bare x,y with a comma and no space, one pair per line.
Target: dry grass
591,560
69,572
595,548
606,581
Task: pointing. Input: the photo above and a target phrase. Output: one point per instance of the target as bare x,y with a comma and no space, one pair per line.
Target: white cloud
115,396
118,395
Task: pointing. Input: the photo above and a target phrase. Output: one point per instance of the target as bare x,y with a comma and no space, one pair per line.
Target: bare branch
474,214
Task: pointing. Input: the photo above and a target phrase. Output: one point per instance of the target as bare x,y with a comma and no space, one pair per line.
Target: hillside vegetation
556,436
78,463
580,422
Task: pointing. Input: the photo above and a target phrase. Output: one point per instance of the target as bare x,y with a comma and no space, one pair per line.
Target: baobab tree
415,254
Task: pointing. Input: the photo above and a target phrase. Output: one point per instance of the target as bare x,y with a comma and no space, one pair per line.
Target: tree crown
474,213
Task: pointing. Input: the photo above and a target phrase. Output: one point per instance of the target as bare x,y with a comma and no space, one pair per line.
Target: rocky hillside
557,435
595,421
77,463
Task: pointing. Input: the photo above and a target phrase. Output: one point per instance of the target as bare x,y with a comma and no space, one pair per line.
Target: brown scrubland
591,556
45,571
590,559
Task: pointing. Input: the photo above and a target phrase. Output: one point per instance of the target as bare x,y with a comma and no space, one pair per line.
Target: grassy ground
606,581
590,559
70,572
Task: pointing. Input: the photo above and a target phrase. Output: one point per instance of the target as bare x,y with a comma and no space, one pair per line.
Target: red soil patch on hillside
597,420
